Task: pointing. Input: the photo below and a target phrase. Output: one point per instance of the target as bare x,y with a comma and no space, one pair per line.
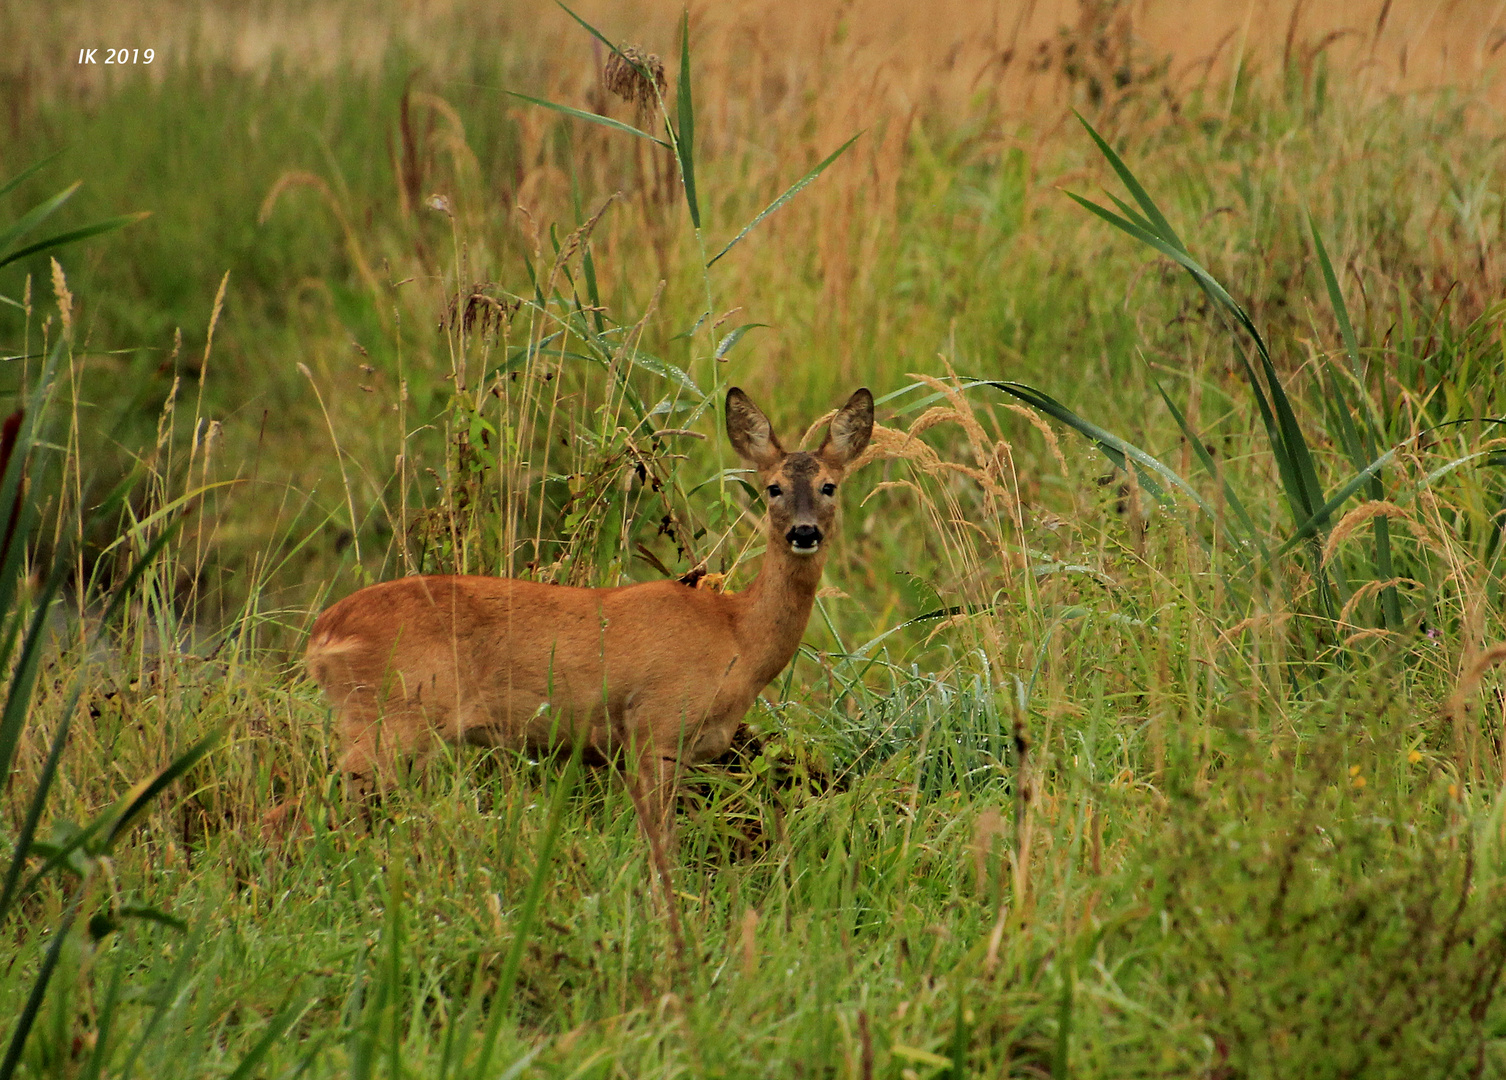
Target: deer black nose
804,539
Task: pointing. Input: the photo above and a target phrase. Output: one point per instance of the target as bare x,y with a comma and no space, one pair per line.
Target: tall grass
80,851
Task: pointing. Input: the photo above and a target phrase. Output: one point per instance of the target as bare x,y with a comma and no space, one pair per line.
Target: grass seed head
635,76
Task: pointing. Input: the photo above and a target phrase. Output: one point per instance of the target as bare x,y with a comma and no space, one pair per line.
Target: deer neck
778,607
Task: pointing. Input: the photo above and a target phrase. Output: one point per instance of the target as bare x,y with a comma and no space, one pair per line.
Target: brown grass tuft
635,76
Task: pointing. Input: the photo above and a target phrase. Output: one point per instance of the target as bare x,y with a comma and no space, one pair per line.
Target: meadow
1151,721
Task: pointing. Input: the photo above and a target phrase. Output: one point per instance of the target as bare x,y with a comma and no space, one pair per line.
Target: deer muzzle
804,539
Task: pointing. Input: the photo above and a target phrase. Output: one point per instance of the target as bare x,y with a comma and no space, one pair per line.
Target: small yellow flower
1354,770
1453,791
1414,757
1359,781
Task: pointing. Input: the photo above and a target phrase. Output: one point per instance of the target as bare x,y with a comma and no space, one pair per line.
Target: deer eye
828,489
775,491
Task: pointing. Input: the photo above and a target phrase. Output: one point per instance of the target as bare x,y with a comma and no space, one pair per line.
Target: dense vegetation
1150,722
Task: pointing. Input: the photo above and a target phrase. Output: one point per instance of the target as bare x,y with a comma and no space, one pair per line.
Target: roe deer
660,671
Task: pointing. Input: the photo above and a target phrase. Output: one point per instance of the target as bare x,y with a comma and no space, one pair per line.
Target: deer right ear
748,429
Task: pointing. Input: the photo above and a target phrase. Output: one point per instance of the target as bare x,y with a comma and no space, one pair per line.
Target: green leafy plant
70,849
1328,914
13,234
1312,506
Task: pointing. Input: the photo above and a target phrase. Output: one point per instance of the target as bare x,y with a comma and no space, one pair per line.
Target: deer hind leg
379,742
375,743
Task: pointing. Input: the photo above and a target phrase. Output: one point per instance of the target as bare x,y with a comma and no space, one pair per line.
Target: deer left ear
850,430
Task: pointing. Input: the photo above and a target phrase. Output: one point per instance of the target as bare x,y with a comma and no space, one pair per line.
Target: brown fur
660,671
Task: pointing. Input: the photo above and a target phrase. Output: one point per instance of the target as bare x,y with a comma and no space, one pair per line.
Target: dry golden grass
892,54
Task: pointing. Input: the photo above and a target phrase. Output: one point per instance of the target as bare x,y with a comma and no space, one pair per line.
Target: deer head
800,488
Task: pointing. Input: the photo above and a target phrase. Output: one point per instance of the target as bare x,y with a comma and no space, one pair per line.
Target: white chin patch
806,550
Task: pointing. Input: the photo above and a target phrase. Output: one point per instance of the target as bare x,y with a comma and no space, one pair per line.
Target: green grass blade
74,235
599,36
165,997
276,1029
1336,298
1290,485
36,215
1112,446
794,189
1324,513
57,854
724,346
523,355
142,799
1289,445
1359,442
502,1005
666,371
1341,418
26,174
20,528
104,1027
361,1007
593,293
1359,449
39,989
1211,468
24,677
1131,213
1061,1056
1293,441
122,591
392,969
685,137
15,468
595,118
9,891
1180,256
1152,211
959,1039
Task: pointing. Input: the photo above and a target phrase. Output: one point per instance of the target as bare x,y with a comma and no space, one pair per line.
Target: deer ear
850,430
749,430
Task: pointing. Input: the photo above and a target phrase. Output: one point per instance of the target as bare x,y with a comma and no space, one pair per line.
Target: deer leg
374,747
650,775
651,779
652,783
377,746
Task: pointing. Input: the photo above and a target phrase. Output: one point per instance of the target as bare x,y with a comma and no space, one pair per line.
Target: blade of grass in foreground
793,190
502,1005
26,173
595,118
1288,444
1213,471
72,236
1117,450
36,215
685,137
39,987
1361,443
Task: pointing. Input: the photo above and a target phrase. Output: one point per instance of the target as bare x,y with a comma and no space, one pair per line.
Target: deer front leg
650,771
650,780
